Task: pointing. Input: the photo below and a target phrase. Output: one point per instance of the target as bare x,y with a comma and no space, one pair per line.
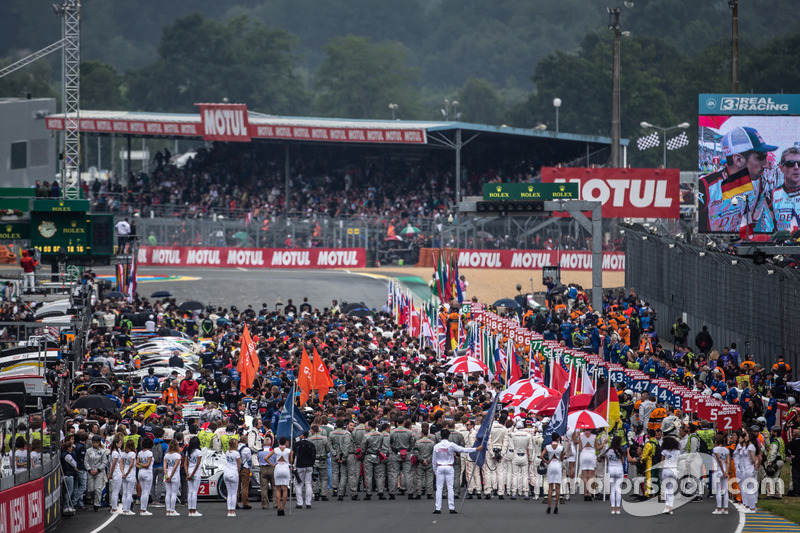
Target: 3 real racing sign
531,191
749,104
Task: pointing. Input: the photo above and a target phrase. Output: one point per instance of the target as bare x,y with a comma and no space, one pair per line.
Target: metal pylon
71,60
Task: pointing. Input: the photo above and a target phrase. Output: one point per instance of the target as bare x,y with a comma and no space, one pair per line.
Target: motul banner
91,125
224,122
22,508
357,135
537,259
186,256
625,192
231,122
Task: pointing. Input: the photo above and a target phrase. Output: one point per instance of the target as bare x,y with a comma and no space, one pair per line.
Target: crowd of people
375,433
247,183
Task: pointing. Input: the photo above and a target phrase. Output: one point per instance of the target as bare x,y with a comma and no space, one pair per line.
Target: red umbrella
535,397
586,420
712,121
520,390
468,366
547,406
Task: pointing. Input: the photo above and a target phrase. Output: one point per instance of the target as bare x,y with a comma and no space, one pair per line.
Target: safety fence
752,305
385,235
30,478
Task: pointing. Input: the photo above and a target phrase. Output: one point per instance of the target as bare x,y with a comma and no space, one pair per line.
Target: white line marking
242,269
742,519
111,519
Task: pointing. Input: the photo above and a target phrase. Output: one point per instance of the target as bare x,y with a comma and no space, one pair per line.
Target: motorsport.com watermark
693,479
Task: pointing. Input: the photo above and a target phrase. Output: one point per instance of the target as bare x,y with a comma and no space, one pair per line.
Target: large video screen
743,186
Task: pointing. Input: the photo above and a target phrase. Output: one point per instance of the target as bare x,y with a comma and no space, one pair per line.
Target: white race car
211,483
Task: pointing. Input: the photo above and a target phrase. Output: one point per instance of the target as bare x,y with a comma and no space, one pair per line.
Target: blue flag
558,422
482,437
290,416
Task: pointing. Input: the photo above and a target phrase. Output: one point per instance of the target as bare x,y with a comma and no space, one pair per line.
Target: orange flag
320,377
304,380
248,361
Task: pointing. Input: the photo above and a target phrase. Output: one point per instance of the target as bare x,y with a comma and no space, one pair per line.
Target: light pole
615,26
393,107
734,5
556,104
682,126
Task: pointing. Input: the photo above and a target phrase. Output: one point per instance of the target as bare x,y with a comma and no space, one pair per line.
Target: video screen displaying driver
749,174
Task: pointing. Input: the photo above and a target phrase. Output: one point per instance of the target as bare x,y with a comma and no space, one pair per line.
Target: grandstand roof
314,129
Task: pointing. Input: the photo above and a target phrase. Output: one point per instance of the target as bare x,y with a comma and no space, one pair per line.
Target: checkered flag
678,142
648,141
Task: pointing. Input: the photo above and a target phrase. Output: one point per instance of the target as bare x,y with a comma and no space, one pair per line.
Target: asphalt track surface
241,286
403,516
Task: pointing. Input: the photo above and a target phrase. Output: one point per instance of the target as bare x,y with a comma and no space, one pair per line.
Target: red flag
320,377
560,378
304,377
516,371
248,361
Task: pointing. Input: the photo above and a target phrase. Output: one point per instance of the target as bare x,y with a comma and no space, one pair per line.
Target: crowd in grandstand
247,183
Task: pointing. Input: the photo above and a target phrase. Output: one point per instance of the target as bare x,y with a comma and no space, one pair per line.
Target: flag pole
291,447
483,444
608,414
469,482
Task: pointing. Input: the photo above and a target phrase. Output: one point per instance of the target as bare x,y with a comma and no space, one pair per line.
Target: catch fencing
754,306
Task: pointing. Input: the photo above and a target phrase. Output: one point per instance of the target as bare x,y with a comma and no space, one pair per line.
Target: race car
211,483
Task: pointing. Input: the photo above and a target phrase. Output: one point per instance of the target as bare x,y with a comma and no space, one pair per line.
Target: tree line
204,59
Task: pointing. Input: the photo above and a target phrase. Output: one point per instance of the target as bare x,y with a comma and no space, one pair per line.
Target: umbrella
8,409
394,238
521,389
484,235
715,122
509,304
191,305
347,307
586,420
102,383
465,367
460,359
241,236
525,403
410,230
95,401
361,311
114,295
547,406
161,294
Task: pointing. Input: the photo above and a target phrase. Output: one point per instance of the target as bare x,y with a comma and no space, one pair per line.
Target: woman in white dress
552,455
720,468
172,476
127,466
670,450
615,457
144,461
748,476
191,464
233,463
283,475
115,470
586,444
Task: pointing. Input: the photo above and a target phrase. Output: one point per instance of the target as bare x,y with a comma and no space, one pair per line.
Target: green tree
34,80
479,102
359,79
101,87
203,60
